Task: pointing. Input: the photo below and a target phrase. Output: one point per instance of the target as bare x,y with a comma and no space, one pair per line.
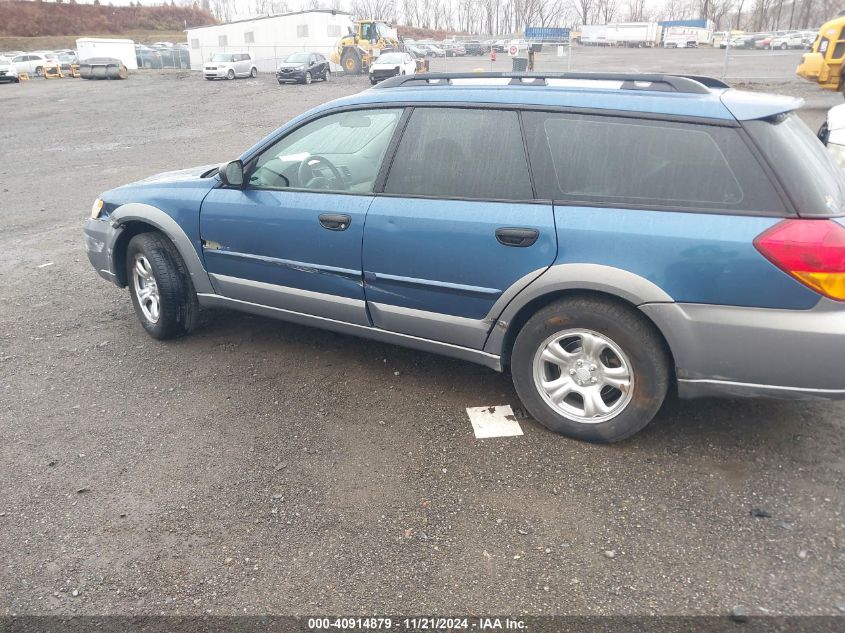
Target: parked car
784,42
66,60
147,57
453,49
392,64
748,41
474,47
763,42
500,46
31,63
8,74
432,50
416,51
303,68
229,66
607,256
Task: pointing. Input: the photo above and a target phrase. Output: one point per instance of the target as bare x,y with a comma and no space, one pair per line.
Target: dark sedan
303,68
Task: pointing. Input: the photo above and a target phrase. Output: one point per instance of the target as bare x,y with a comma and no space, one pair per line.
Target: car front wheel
254,72
590,368
230,74
308,77
160,286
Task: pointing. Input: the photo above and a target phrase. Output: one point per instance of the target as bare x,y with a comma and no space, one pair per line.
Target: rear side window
642,163
809,174
461,153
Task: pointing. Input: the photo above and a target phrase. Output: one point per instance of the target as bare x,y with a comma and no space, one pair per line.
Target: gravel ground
259,467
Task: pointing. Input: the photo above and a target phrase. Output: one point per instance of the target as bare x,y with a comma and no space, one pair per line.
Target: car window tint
810,175
461,153
353,142
613,160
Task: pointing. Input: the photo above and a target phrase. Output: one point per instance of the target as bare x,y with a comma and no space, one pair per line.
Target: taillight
811,251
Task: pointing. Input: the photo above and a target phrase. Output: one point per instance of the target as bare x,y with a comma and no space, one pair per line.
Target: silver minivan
229,66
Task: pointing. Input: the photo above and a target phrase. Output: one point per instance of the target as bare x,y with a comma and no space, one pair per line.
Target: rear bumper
739,351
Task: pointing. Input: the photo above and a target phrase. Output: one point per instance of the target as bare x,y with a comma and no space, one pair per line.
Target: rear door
455,227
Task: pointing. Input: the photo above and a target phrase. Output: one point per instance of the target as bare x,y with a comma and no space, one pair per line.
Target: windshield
223,57
390,58
296,58
811,177
384,30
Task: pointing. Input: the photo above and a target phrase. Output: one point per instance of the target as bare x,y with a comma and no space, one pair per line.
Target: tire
784,46
39,71
351,63
254,72
327,75
373,81
166,273
230,74
624,343
308,79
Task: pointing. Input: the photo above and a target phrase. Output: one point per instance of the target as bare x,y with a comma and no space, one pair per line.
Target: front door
291,238
456,227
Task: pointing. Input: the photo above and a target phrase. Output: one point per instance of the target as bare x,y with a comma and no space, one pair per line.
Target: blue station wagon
605,238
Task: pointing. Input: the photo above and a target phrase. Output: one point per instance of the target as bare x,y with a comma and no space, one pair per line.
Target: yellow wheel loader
357,50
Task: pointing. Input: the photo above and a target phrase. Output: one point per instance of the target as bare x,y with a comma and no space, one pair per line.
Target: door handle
335,221
517,237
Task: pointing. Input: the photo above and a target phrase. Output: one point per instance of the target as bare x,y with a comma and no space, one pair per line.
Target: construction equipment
825,63
357,50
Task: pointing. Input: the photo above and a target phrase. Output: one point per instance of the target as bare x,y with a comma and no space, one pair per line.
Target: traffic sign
513,49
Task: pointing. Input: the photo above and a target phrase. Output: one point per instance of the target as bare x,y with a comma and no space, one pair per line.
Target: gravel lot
259,467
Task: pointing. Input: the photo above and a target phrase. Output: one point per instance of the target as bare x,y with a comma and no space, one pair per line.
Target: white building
270,39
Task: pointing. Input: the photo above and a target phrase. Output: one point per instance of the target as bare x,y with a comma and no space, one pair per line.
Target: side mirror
232,173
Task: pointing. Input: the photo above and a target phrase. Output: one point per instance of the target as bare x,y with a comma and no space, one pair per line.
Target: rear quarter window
618,161
811,177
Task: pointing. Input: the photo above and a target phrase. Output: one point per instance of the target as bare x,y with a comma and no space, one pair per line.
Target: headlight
96,208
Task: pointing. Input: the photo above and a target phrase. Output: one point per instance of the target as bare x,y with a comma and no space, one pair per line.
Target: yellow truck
357,50
824,63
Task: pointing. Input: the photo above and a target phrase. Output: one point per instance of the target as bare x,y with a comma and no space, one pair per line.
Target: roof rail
630,81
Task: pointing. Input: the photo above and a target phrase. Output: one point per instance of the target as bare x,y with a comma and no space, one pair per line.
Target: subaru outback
604,238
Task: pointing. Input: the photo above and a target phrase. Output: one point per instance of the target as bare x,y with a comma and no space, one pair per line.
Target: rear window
812,179
643,163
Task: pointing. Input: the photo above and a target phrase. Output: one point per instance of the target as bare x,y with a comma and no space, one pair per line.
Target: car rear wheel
230,74
590,368
254,72
160,286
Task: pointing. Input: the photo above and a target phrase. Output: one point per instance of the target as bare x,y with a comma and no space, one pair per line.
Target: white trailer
594,35
124,50
636,34
686,37
271,39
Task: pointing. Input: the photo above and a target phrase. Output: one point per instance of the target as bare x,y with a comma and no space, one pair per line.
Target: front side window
338,152
461,153
641,163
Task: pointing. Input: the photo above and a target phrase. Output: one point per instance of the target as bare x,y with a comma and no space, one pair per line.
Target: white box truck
124,50
635,34
686,37
594,35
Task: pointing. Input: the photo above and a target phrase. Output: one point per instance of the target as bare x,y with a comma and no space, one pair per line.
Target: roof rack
692,84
